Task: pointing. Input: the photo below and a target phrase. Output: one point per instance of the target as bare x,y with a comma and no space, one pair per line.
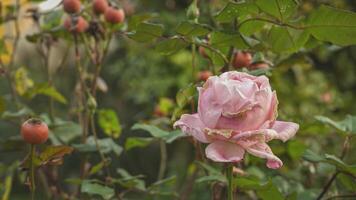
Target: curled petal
285,130
262,150
220,151
192,125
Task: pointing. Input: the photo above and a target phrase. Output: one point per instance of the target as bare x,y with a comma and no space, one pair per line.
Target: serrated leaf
92,188
281,9
333,25
234,10
284,39
223,41
109,122
171,46
133,142
192,29
146,32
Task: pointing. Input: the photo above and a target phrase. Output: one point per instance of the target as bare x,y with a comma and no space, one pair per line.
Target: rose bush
236,113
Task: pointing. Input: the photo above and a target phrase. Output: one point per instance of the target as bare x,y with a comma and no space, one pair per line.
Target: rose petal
220,151
262,150
192,125
285,130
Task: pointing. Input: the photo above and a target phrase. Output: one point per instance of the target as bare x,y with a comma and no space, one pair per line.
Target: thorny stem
32,171
230,190
163,162
333,177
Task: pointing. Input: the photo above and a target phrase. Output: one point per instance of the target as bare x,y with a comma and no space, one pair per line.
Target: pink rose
236,113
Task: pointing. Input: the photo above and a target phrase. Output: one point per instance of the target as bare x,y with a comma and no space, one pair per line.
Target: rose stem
32,169
230,190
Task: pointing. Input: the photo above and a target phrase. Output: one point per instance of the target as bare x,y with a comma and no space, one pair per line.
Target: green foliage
93,189
109,122
333,25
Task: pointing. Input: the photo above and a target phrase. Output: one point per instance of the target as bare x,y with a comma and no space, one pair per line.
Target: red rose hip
241,59
78,25
34,131
204,75
114,16
71,6
100,6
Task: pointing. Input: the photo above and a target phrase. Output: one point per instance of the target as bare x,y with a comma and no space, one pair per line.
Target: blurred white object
48,5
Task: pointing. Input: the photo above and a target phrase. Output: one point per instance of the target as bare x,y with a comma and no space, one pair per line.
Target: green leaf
109,122
347,181
185,95
210,169
50,155
269,192
45,89
333,25
171,45
153,130
23,112
129,181
96,168
285,39
281,9
223,41
133,142
234,10
22,81
347,125
296,149
312,157
136,19
107,145
211,178
330,159
91,188
192,29
250,27
173,135
67,131
247,183
146,32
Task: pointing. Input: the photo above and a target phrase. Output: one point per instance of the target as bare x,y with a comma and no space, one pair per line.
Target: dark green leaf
211,178
269,192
